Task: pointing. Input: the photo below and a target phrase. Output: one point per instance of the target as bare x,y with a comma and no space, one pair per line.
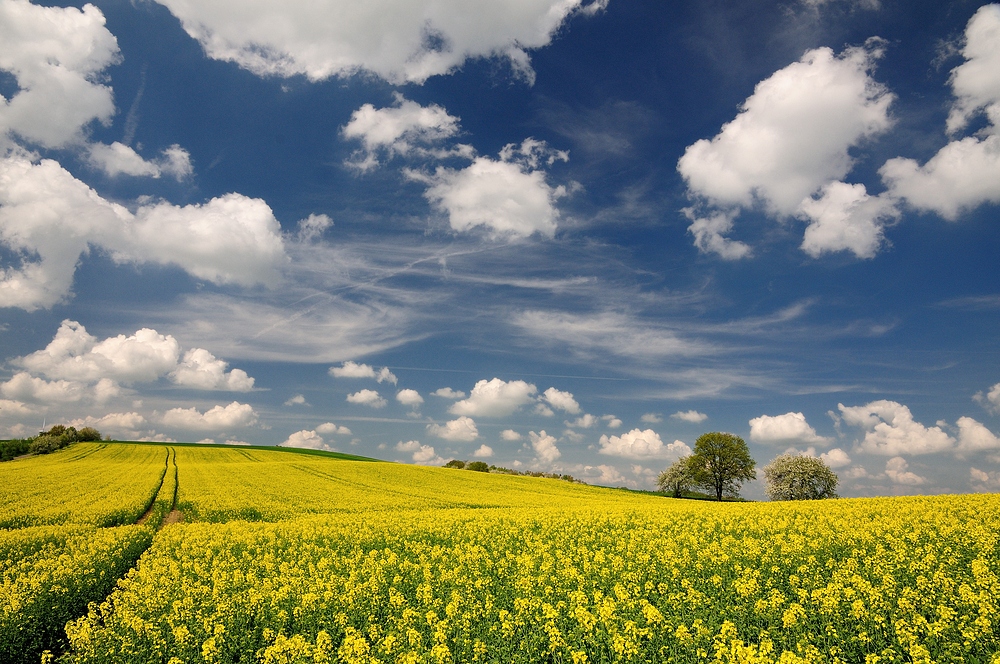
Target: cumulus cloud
986,481
120,159
896,469
692,416
891,430
562,400
652,418
495,398
460,430
639,444
354,370
510,434
846,218
409,398
404,129
784,429
605,475
49,219
130,422
368,398
791,137
24,387
505,197
234,416
75,355
297,400
965,173
448,393
973,436
483,452
585,421
613,422
328,428
202,370
305,439
400,41
990,399
421,454
544,445
12,407
56,55
836,458
709,231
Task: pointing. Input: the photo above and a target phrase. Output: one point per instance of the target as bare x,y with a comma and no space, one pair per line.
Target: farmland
283,557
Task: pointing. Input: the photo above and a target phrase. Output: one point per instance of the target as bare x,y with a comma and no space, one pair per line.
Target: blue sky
549,234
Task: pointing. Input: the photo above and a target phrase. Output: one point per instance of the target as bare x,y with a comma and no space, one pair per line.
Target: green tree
455,463
478,466
676,479
721,463
794,477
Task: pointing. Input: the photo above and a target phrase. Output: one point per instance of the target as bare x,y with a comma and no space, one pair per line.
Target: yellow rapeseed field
286,558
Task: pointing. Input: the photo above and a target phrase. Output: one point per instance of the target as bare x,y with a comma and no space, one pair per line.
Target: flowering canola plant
285,558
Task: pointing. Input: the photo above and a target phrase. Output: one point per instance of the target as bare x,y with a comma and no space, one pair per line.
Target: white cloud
75,355
400,130
991,399
545,448
965,173
460,430
891,430
120,159
483,452
976,82
585,421
562,400
896,469
400,41
613,422
709,233
508,197
422,454
987,481
230,239
975,437
10,408
313,226
126,422
202,370
605,475
306,439
651,418
638,444
961,176
448,393
543,410
791,137
297,400
510,434
354,370
836,458
409,398
784,430
331,428
692,416
50,219
56,54
369,398
792,134
235,415
846,218
24,387
495,398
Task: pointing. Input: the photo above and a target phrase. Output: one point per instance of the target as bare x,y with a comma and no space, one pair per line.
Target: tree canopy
794,477
721,462
676,479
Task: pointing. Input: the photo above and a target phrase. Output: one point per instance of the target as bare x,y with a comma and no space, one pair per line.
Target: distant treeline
483,467
54,439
